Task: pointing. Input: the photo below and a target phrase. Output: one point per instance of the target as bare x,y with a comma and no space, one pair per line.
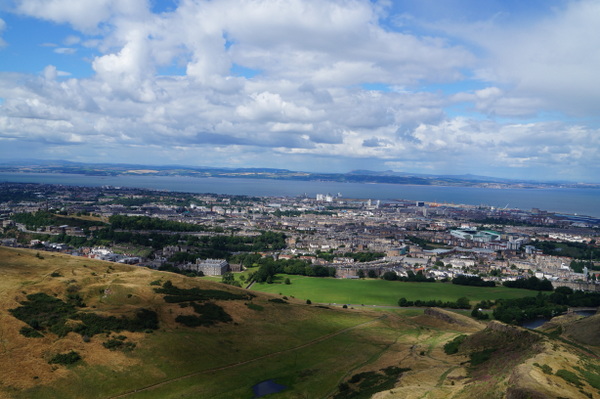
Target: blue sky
498,88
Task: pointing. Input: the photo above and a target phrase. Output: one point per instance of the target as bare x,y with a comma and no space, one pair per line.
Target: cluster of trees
43,312
566,296
270,267
246,259
460,303
34,220
576,250
206,247
531,283
10,193
174,294
515,311
65,358
42,219
479,315
543,305
370,273
94,324
412,277
423,243
472,280
208,314
578,266
147,223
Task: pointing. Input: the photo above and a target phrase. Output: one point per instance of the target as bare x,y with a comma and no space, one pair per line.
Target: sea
571,201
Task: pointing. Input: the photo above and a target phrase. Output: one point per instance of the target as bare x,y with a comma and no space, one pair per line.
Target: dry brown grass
394,340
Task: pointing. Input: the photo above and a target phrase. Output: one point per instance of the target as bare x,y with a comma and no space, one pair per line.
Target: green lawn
381,292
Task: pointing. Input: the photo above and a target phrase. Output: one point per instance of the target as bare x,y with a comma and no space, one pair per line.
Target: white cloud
2,28
65,50
554,59
85,16
305,101
71,40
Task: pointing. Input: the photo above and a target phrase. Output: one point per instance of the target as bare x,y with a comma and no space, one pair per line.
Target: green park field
381,292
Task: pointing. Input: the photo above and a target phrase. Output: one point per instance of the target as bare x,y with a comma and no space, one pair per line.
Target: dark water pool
267,387
535,323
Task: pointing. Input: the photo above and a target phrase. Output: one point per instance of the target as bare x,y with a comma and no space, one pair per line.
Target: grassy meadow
380,292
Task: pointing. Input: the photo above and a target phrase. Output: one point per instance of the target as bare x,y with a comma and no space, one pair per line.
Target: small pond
267,387
535,323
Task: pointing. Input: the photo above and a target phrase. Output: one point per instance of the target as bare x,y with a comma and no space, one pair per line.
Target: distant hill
356,176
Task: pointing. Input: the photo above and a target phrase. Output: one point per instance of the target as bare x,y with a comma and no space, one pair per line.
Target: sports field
381,292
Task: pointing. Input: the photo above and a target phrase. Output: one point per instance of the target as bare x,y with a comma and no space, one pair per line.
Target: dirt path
314,341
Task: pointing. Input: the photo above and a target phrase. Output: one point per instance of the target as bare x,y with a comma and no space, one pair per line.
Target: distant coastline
564,200
358,176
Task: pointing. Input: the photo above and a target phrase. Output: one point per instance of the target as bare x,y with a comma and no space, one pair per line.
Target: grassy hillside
316,352
381,292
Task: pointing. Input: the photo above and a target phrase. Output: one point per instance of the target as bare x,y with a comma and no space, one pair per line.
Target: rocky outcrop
452,318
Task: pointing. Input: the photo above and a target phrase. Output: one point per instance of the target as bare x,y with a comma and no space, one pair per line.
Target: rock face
507,328
585,330
451,317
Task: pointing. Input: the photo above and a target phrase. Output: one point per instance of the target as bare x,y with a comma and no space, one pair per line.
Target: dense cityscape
328,235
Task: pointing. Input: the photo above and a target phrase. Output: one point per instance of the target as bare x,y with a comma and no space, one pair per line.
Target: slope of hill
503,361
78,328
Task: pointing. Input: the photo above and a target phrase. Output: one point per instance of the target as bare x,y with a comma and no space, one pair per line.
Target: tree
371,273
463,303
360,273
308,302
228,278
479,315
391,276
287,281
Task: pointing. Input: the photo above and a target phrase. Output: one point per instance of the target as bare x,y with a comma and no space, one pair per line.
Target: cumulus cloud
164,87
85,16
554,59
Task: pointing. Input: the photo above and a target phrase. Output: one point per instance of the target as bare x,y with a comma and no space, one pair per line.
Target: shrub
174,294
481,356
210,314
545,368
451,347
254,306
569,376
308,302
277,300
65,358
41,311
479,315
30,332
94,324
118,343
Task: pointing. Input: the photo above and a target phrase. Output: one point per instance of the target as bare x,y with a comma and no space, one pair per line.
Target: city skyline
502,88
